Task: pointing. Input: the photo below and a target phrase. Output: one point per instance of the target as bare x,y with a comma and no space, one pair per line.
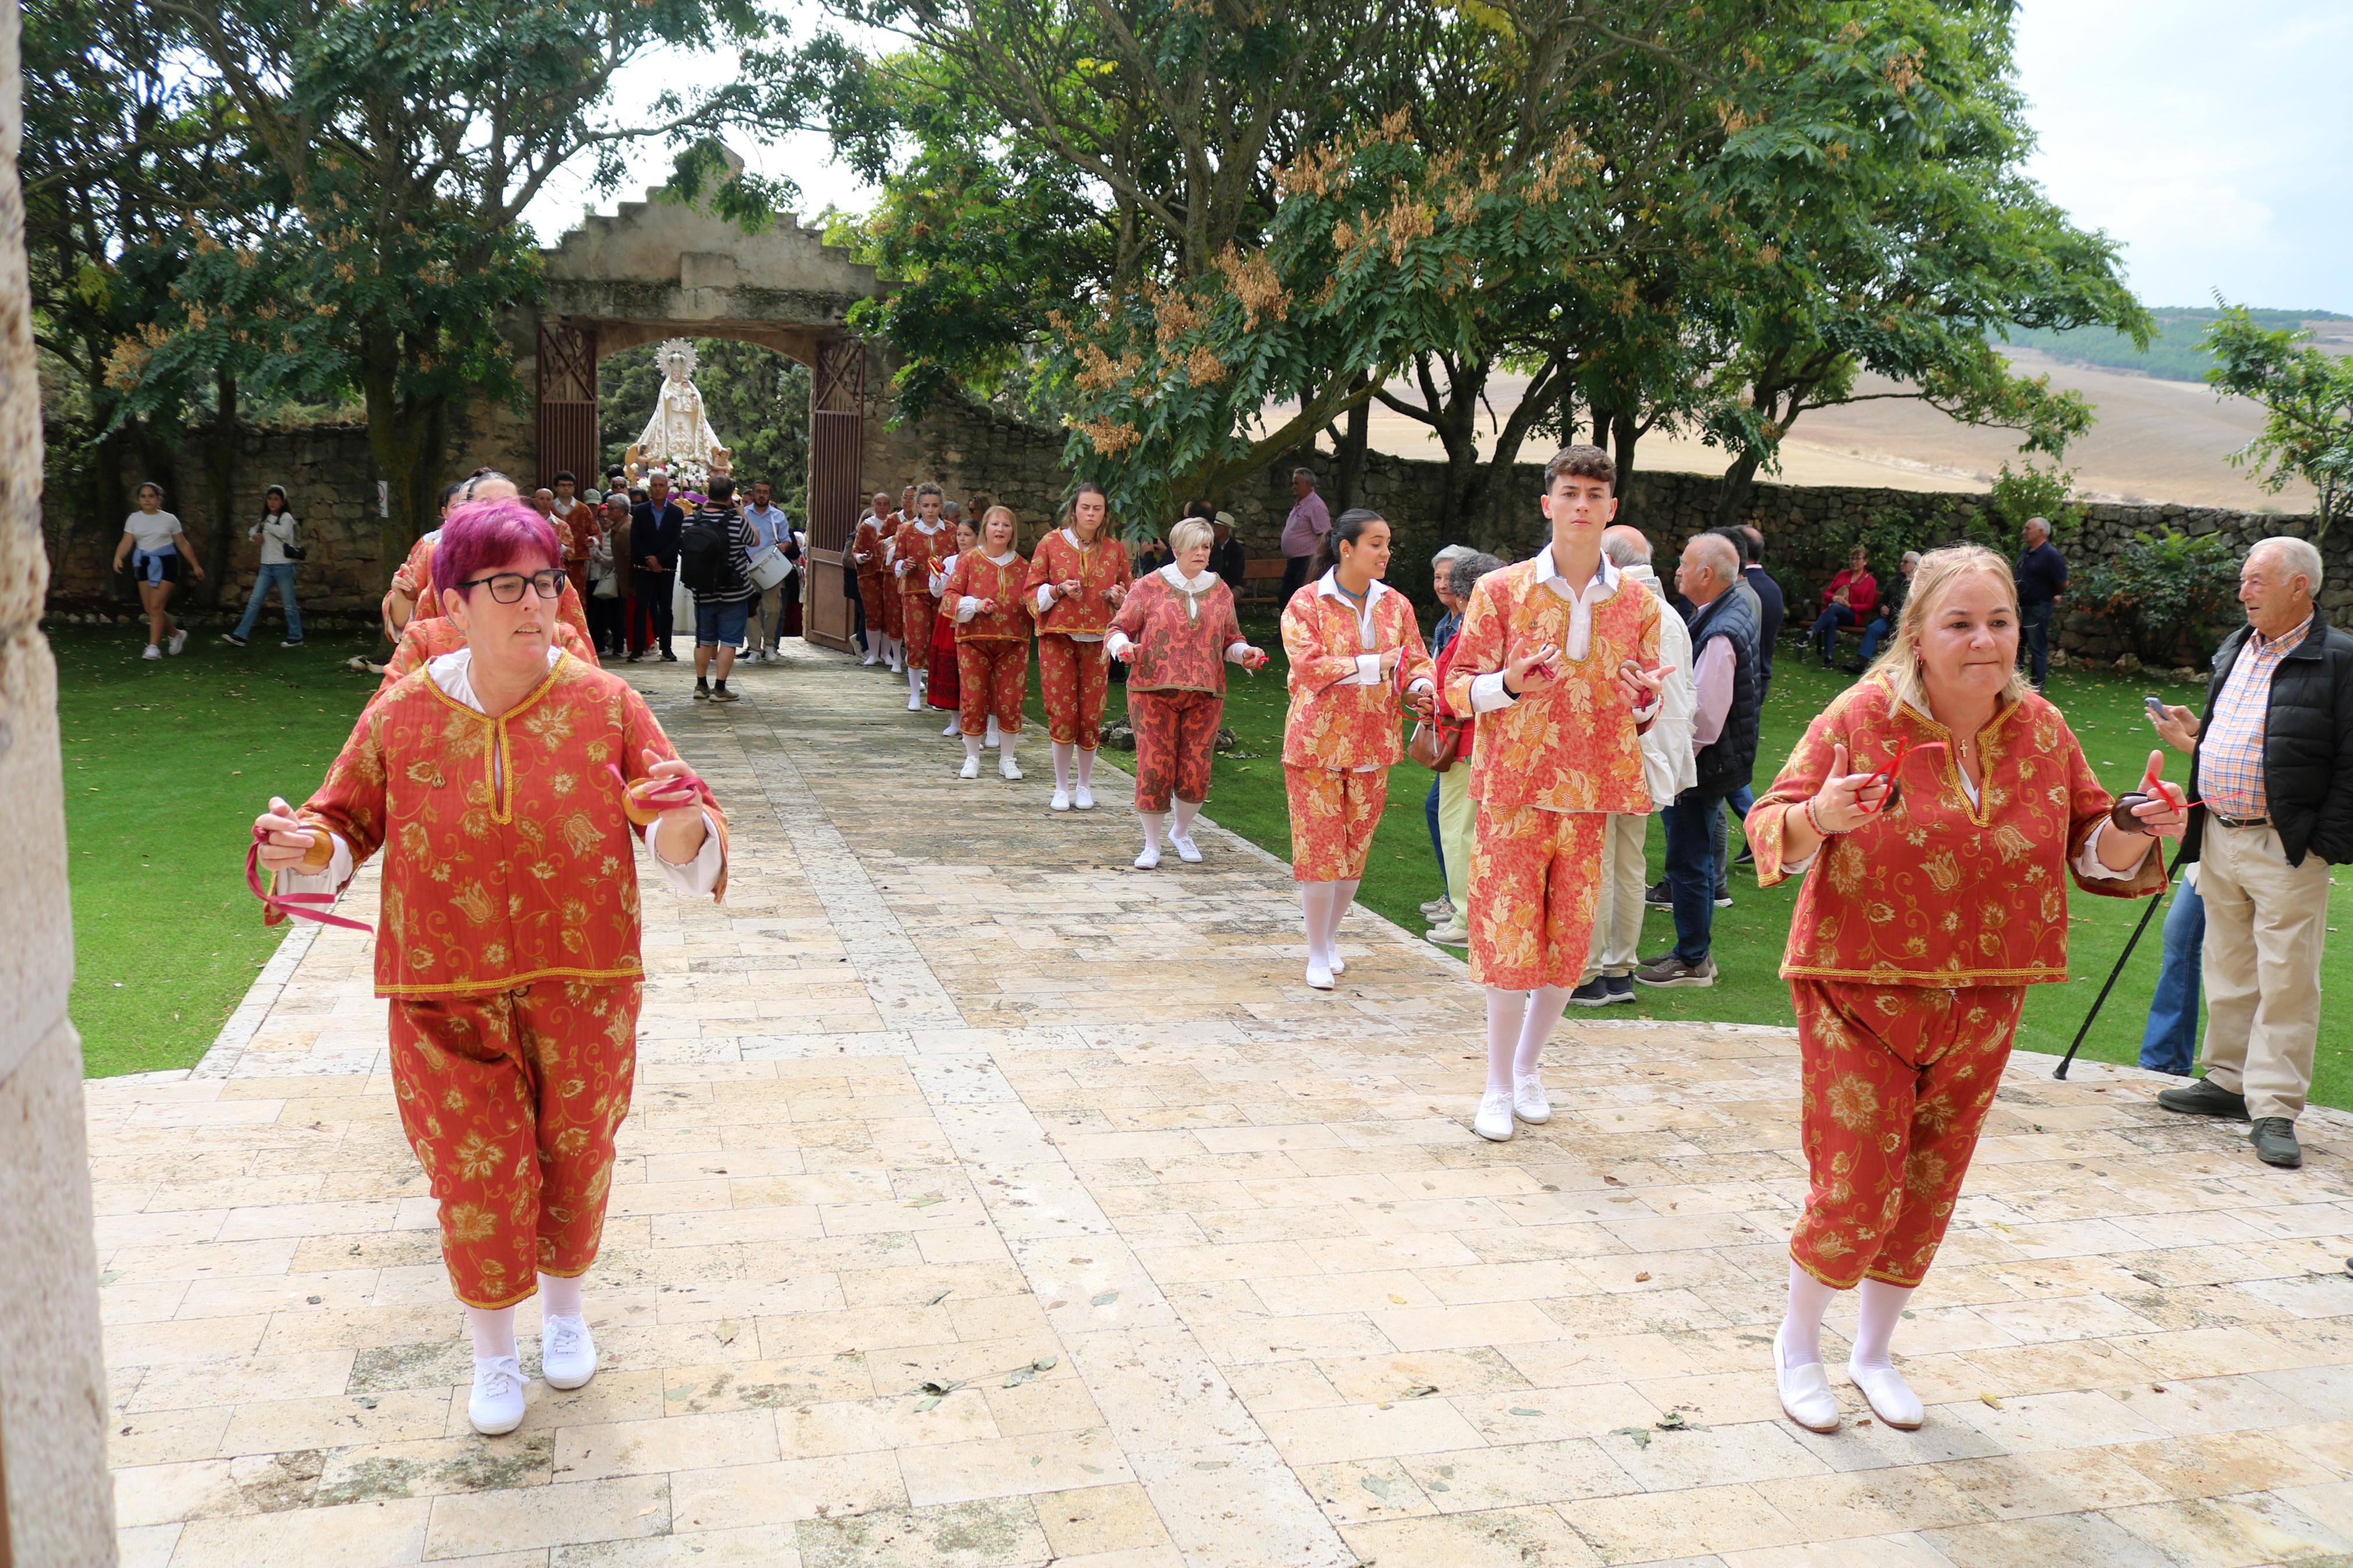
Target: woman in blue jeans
276,532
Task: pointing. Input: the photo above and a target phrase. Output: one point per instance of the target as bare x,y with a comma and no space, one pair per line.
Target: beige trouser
1458,815
1618,907
2266,922
768,620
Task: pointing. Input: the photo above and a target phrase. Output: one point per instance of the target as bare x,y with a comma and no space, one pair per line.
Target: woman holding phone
1356,662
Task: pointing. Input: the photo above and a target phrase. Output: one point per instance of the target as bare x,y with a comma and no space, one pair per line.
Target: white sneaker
1453,933
1890,1398
1007,768
1806,1396
1494,1121
1438,909
1061,801
153,652
1318,977
971,769
179,639
955,727
1083,798
495,1407
1186,850
1149,860
1528,1101
567,1355
915,699
870,658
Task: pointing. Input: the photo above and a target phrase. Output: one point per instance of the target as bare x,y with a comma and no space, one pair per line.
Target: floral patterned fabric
1334,722
1897,1083
511,1101
921,553
1574,745
507,855
991,679
1176,651
1072,679
423,640
1101,569
1535,878
1934,891
1333,815
975,575
875,591
1176,742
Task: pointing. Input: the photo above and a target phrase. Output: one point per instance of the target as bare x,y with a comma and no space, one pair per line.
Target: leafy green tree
403,139
757,399
2307,398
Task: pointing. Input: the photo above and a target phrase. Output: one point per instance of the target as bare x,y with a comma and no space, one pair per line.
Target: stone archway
662,267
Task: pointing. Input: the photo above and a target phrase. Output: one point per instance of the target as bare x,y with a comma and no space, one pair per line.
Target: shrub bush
2170,595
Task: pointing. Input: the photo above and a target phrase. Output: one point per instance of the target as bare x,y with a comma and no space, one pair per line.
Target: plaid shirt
2230,752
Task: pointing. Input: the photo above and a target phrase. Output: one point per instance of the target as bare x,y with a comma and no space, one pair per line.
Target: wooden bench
1262,580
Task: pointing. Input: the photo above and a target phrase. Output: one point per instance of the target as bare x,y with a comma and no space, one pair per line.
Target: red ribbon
662,794
309,906
2153,785
1888,772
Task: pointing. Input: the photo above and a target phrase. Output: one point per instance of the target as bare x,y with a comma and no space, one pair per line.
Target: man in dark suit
655,524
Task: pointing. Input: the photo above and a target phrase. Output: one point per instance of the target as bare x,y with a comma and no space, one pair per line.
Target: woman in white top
276,532
158,552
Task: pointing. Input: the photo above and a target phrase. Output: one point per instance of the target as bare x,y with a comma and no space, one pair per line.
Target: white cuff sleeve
331,880
1118,644
2088,865
934,582
1238,652
1045,598
1368,670
697,876
1488,693
1421,683
966,607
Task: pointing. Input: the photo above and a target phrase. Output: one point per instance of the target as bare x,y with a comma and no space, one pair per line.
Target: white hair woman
1936,809
1178,631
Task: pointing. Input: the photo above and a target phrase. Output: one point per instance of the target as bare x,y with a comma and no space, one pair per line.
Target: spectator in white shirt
158,552
276,532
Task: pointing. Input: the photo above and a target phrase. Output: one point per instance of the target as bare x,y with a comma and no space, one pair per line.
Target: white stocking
558,1297
915,680
1062,766
1800,1339
1343,894
1314,908
1507,1013
956,726
972,748
1545,1005
1883,1309
1152,820
1187,810
1087,769
992,737
1006,746
493,1330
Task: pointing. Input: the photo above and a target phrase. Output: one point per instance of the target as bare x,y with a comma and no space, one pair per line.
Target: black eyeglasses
507,587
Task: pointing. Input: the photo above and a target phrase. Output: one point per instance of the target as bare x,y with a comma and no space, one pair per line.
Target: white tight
1152,821
1800,1339
972,748
1087,769
492,1327
1519,1023
1322,906
1187,810
1062,766
1882,1306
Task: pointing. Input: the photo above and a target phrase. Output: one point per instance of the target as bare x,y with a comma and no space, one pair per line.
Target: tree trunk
221,474
1732,499
1624,431
1350,468
409,439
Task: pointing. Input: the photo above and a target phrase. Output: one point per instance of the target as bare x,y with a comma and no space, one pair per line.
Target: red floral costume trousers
1898,1081
916,612
1333,815
1175,741
1072,678
881,603
993,677
1535,875
511,1101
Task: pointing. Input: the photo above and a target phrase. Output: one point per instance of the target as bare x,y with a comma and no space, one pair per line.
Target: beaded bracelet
1815,822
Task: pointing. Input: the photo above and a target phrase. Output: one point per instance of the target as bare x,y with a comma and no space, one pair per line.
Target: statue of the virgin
679,437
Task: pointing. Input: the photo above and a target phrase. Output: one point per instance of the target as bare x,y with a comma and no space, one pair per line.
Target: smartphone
2155,705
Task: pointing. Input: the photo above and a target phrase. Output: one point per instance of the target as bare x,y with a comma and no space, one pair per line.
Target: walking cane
2173,876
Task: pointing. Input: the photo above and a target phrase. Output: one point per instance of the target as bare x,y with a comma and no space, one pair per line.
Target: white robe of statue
678,430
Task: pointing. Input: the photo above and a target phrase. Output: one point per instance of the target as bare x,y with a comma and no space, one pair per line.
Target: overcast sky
2216,143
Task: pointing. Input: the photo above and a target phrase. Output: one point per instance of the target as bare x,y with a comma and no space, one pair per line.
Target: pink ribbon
309,906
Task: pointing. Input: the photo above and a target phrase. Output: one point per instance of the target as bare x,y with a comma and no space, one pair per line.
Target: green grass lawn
1246,795
166,762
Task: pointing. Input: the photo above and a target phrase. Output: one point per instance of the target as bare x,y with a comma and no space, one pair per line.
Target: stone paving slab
1209,1266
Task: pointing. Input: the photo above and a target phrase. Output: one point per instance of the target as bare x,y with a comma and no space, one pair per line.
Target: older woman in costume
1078,576
1354,647
1936,809
1178,632
503,780
986,589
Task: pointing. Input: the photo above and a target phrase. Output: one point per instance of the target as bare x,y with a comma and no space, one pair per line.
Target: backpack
705,554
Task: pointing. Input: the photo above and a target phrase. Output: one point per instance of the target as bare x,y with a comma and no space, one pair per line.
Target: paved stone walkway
987,1202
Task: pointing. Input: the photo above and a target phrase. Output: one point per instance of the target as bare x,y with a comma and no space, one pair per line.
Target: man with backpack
714,562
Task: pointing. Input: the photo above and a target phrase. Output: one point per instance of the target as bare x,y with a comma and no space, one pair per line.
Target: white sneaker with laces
1528,1100
1082,797
1318,977
1494,1121
1453,933
971,769
179,639
1806,1396
1437,908
567,1354
495,1407
1007,768
1148,860
1061,801
1890,1398
1186,850
153,652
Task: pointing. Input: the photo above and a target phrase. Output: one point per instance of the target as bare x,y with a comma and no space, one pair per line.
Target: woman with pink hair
503,780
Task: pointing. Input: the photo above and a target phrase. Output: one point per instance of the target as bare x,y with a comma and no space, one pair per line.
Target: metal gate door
837,452
567,404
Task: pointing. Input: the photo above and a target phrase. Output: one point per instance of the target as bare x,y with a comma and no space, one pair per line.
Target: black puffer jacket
2307,744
